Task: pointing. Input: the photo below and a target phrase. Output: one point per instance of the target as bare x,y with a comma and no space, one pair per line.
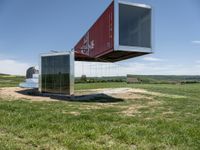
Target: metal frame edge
117,46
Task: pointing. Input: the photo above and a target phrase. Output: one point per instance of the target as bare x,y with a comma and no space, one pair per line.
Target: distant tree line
85,79
138,79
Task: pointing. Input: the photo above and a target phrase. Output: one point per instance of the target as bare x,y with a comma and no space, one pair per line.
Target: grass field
10,81
170,120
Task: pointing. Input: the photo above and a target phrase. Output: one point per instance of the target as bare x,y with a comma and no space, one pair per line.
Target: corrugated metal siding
99,40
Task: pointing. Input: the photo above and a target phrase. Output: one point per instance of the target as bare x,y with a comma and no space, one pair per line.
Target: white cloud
153,59
13,67
196,42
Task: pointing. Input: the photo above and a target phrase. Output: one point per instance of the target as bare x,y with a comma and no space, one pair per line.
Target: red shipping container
123,31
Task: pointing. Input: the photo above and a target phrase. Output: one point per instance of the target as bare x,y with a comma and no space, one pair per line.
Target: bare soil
14,93
104,98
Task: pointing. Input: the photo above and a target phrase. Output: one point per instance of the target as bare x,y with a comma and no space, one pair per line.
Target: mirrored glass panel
55,74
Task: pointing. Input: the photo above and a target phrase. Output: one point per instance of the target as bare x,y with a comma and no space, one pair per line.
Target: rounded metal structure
30,72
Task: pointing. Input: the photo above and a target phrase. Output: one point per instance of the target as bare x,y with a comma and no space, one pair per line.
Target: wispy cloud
196,42
153,59
141,68
9,66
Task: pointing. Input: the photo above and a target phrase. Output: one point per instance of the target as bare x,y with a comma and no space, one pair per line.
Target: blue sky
31,27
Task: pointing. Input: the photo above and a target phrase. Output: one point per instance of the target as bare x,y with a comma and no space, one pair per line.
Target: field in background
165,117
10,81
152,79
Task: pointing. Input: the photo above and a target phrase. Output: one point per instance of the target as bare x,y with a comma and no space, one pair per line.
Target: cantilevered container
123,31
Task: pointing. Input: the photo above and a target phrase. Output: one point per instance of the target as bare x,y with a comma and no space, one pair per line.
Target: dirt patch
154,103
95,95
132,110
168,113
101,95
128,93
123,93
14,93
89,107
103,98
98,106
141,91
72,113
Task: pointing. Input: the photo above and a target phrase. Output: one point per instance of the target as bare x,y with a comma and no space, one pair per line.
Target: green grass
10,81
173,123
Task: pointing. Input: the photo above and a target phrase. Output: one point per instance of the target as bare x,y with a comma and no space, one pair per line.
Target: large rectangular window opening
134,26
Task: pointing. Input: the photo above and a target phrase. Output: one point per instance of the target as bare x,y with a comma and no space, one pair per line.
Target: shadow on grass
93,98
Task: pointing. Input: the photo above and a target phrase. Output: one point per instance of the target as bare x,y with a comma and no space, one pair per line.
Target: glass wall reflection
55,74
